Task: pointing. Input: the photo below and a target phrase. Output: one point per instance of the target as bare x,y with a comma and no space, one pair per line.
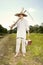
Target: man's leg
23,47
18,41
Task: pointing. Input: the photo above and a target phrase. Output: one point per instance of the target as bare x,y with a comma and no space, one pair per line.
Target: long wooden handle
16,22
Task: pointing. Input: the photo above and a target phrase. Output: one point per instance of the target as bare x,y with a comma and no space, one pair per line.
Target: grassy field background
34,54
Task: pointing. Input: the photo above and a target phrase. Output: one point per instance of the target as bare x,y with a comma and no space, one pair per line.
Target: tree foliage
3,30
36,29
33,29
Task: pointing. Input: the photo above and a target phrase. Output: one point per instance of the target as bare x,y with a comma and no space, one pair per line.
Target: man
22,27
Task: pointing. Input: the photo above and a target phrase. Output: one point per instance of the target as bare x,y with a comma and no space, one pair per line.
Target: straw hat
21,13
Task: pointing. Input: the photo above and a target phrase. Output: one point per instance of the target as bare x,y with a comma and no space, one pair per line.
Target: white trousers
18,42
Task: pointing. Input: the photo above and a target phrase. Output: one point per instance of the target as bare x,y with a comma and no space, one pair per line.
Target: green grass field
34,54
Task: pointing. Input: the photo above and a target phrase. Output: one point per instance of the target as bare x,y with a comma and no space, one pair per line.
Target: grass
34,54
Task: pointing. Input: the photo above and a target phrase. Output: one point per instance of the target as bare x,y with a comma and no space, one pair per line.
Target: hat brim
21,14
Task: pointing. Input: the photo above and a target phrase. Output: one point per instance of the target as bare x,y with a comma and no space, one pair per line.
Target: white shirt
22,26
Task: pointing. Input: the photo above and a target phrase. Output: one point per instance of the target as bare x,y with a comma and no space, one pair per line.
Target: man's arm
14,24
28,34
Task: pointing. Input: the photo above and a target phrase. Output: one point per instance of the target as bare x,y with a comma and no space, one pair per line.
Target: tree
3,30
41,29
31,29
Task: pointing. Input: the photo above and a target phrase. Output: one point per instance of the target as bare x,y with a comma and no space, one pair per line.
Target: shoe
16,55
23,55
